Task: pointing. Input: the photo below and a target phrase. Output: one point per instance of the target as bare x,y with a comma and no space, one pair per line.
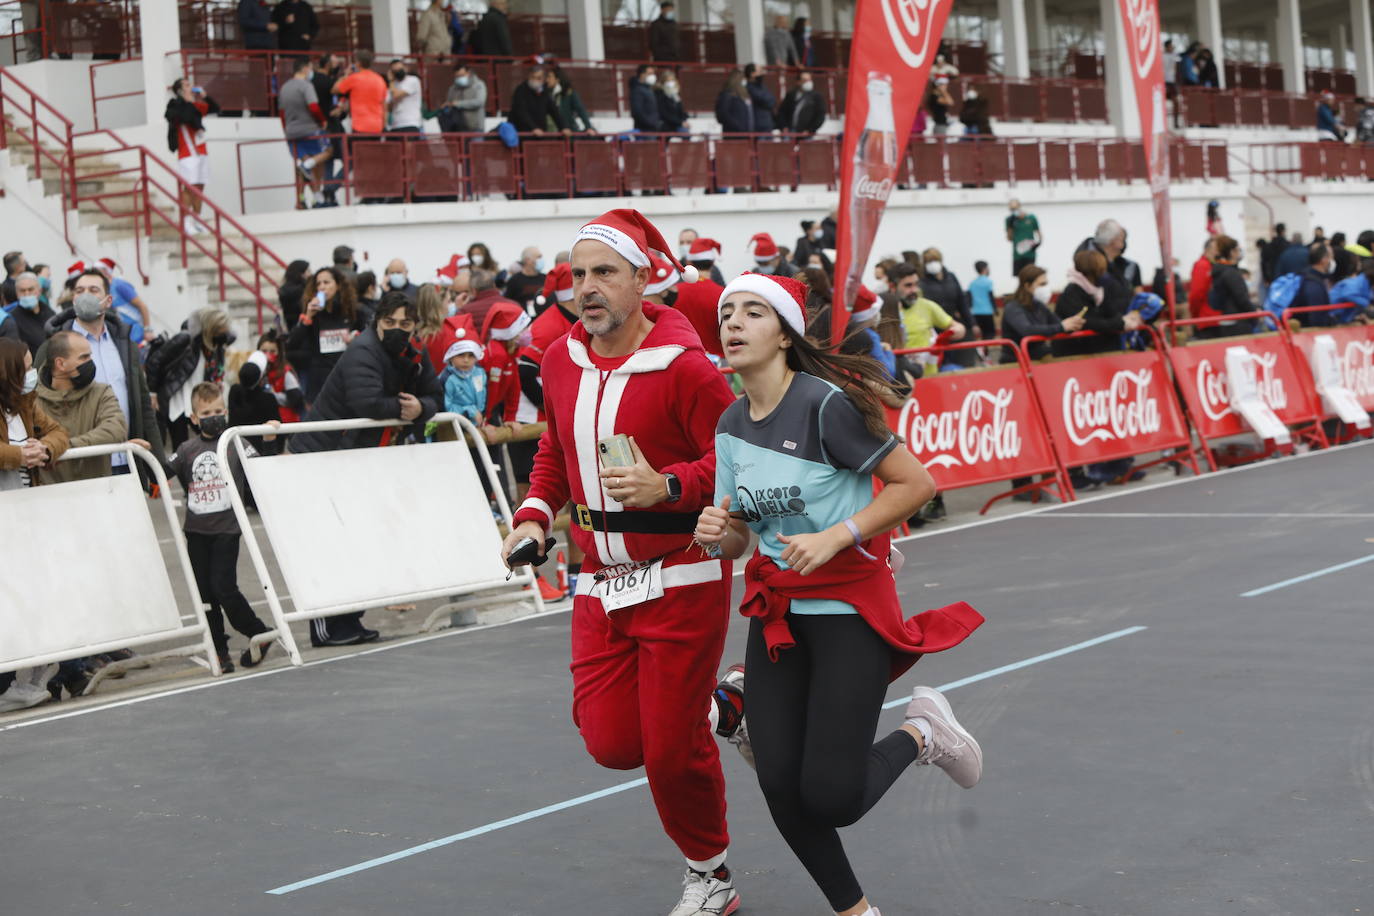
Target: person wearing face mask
15,264
644,101
803,109
398,279
194,355
671,111
810,242
939,101
480,258
525,285
1314,289
466,102
33,441
88,410
212,530
1028,314
280,378
663,37
941,286
761,98
29,313
532,107
403,100
116,358
486,295
332,319
921,317
801,39
570,107
440,324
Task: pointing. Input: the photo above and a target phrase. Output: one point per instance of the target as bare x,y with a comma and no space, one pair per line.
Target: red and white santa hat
785,295
108,265
764,248
704,250
505,321
558,284
866,305
663,276
633,237
76,270
458,348
445,275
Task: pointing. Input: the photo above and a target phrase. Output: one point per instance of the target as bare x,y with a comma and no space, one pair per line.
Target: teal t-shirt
804,467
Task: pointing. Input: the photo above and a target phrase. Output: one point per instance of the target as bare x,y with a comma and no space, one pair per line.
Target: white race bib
335,341
634,587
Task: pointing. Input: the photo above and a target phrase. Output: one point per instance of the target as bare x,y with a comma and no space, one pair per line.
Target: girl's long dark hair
859,377
12,395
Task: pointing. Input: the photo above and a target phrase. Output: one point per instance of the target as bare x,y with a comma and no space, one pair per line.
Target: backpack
1281,293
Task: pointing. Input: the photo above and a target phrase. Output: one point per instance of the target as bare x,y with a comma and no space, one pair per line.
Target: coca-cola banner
1144,45
1201,372
970,428
894,45
1109,407
1354,355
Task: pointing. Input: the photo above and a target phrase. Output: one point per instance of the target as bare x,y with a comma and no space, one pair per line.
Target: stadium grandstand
251,245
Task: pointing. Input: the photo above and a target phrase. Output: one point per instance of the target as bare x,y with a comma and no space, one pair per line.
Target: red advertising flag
1140,18
894,45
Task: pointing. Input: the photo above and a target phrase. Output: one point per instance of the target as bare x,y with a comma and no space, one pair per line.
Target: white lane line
1312,575
935,532
636,783
1213,515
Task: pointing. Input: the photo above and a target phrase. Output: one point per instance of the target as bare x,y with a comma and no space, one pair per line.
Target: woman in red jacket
795,460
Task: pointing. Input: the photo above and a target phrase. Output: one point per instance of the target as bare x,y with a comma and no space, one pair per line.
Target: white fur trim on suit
780,299
540,506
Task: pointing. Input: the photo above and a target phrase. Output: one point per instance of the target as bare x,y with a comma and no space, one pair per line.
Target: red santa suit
504,324
698,300
551,324
643,673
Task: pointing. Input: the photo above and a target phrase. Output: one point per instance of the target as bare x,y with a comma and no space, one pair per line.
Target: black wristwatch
674,487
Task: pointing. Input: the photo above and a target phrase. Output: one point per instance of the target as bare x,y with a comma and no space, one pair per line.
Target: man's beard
607,325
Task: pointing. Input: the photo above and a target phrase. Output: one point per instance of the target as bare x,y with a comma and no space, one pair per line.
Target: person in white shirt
403,100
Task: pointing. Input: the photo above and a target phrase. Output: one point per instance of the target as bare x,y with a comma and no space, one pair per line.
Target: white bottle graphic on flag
875,172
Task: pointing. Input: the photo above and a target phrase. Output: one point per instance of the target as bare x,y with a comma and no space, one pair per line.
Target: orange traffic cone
562,572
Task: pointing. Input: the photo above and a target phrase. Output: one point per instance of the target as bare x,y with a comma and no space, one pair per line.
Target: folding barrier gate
56,606
357,528
1353,346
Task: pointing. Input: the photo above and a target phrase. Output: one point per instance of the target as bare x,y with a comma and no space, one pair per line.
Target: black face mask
222,340
85,374
212,427
394,341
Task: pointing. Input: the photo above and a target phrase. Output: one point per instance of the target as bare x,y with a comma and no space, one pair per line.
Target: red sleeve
697,417
316,113
549,489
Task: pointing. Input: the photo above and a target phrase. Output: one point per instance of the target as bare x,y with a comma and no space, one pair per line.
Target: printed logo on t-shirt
771,502
209,491
789,445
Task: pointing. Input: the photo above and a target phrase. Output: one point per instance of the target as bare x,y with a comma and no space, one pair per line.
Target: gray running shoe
705,895
951,747
734,728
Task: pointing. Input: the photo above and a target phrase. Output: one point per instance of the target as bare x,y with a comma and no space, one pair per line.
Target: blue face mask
44,283
29,302
452,309
397,281
541,266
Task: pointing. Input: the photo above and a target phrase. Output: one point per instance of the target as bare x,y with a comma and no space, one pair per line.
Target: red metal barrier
980,426
1111,406
1355,354
1200,368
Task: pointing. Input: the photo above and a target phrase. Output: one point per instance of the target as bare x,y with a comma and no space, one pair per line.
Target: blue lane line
1015,666
1312,575
636,783
445,841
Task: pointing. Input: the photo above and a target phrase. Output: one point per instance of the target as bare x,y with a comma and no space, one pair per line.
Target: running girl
795,460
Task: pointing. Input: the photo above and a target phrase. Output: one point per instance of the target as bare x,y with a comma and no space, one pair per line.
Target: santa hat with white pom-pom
663,276
633,237
558,285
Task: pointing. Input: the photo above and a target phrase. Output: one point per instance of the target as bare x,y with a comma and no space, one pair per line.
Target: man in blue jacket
1314,290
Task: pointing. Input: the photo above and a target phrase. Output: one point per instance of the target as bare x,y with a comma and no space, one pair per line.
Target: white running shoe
951,747
30,688
704,894
734,728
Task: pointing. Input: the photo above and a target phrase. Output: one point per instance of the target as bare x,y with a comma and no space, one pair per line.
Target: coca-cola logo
1142,34
1214,388
911,24
1123,409
866,187
1357,368
981,430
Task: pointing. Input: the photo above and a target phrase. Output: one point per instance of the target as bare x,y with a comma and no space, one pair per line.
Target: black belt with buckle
635,522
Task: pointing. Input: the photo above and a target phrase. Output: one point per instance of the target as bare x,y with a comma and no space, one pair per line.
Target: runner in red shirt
698,300
650,612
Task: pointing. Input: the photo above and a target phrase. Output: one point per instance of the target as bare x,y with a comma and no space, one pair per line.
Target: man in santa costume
650,611
768,257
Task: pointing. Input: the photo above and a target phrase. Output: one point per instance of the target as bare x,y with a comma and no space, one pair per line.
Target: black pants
1020,264
215,561
812,715
988,325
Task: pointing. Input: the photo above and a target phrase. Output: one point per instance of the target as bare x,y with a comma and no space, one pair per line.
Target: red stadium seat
379,168
816,163
596,166
1058,166
735,164
546,166
777,163
1025,161
493,167
689,164
438,169
1087,162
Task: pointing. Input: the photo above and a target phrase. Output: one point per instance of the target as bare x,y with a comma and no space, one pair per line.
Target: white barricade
57,604
1246,400
1336,398
360,528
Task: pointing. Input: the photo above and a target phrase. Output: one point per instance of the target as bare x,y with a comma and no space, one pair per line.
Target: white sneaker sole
937,699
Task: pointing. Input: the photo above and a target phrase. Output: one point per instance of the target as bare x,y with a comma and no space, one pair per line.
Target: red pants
642,683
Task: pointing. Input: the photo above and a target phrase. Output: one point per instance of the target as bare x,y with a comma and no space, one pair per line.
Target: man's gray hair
480,280
27,275
1108,231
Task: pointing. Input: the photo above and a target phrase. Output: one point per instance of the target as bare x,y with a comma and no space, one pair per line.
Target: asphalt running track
1156,742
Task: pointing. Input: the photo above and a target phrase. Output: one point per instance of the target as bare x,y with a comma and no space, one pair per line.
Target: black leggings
812,715
215,560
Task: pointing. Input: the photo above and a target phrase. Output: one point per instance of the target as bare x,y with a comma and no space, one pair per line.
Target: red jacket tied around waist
868,585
